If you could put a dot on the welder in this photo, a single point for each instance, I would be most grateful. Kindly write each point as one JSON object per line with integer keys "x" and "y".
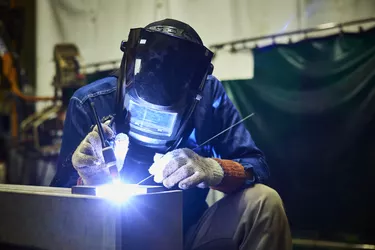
{"x": 165, "y": 101}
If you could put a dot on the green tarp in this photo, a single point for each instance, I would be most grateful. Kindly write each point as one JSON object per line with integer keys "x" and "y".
{"x": 314, "y": 104}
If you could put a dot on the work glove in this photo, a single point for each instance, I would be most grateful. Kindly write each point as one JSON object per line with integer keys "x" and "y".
{"x": 187, "y": 169}
{"x": 88, "y": 158}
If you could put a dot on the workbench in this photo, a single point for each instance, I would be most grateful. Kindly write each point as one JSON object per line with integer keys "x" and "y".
{"x": 35, "y": 217}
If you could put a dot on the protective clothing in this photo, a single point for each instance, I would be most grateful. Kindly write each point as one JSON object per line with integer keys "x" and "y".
{"x": 253, "y": 218}
{"x": 88, "y": 158}
{"x": 214, "y": 113}
{"x": 187, "y": 169}
{"x": 162, "y": 74}
{"x": 204, "y": 97}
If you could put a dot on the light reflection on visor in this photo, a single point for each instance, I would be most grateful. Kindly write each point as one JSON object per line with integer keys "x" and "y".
{"x": 151, "y": 120}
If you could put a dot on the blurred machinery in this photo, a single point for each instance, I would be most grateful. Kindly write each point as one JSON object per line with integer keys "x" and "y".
{"x": 16, "y": 99}
{"x": 41, "y": 132}
{"x": 67, "y": 64}
{"x": 24, "y": 133}
{"x": 45, "y": 127}
{"x": 30, "y": 141}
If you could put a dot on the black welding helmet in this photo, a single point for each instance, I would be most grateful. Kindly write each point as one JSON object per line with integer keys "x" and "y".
{"x": 163, "y": 71}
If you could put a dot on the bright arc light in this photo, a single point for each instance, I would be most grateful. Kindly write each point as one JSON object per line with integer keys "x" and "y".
{"x": 121, "y": 145}
{"x": 119, "y": 192}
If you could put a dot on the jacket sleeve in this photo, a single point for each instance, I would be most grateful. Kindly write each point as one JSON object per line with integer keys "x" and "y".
{"x": 236, "y": 144}
{"x": 76, "y": 126}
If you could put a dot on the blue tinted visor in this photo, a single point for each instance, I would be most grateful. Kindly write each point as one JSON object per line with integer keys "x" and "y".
{"x": 152, "y": 121}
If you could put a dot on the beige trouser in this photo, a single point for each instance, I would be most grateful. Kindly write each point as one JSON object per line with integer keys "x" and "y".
{"x": 251, "y": 219}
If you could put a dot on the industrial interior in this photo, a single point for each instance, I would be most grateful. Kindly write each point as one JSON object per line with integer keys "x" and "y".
{"x": 300, "y": 73}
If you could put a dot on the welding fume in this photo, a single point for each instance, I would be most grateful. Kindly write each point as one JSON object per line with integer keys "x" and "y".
{"x": 164, "y": 115}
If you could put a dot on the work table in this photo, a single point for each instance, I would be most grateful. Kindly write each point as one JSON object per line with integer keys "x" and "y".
{"x": 35, "y": 217}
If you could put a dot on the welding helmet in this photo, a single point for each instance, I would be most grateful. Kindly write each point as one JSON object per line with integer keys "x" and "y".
{"x": 163, "y": 71}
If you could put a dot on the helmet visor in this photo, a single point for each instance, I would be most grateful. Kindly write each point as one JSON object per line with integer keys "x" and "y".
{"x": 162, "y": 69}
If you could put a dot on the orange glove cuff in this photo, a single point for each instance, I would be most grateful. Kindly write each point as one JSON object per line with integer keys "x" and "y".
{"x": 235, "y": 176}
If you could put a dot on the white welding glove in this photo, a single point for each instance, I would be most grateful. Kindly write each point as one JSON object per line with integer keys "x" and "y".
{"x": 187, "y": 169}
{"x": 88, "y": 158}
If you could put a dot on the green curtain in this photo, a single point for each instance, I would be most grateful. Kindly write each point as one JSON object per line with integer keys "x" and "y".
{"x": 314, "y": 104}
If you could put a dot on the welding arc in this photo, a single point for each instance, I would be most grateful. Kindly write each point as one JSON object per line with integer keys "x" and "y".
{"x": 213, "y": 137}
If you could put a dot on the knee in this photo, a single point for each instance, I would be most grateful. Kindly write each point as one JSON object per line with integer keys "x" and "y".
{"x": 264, "y": 197}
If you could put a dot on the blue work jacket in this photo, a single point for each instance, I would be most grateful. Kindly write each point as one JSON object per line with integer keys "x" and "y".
{"x": 214, "y": 113}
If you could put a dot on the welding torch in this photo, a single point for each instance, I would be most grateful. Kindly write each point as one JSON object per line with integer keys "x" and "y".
{"x": 107, "y": 149}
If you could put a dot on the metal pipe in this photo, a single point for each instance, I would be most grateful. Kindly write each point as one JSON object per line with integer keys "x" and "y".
{"x": 322, "y": 27}
{"x": 98, "y": 64}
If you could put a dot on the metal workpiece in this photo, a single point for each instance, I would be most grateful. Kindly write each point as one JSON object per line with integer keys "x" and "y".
{"x": 34, "y": 217}
{"x": 140, "y": 189}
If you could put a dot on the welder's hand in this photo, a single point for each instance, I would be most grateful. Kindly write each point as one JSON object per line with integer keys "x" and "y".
{"x": 187, "y": 169}
{"x": 88, "y": 158}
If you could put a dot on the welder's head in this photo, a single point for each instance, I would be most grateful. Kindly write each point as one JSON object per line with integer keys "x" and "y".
{"x": 163, "y": 70}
